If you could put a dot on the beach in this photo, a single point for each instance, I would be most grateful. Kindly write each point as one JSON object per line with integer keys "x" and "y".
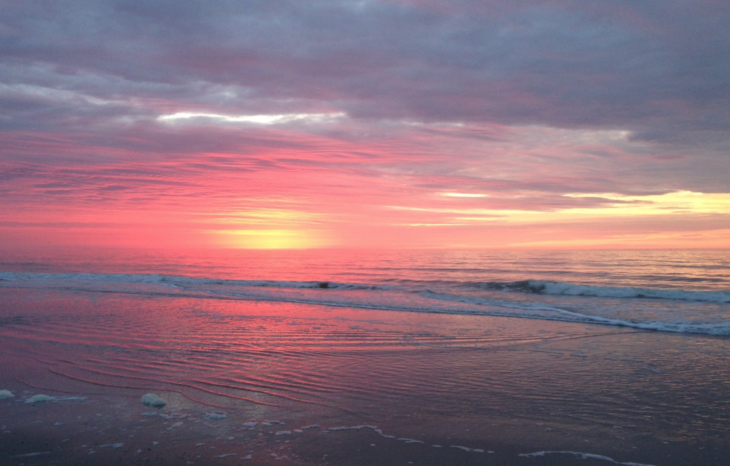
{"x": 263, "y": 382}
{"x": 372, "y": 232}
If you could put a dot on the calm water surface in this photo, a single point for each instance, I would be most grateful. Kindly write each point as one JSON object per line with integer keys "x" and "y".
{"x": 672, "y": 291}
{"x": 366, "y": 357}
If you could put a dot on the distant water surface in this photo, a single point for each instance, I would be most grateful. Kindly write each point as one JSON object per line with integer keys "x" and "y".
{"x": 682, "y": 291}
{"x": 437, "y": 357}
{"x": 696, "y": 270}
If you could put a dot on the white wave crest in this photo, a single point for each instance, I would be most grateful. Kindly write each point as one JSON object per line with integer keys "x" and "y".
{"x": 570, "y": 289}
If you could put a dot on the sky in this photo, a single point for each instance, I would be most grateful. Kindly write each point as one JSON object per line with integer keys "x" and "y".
{"x": 373, "y": 123}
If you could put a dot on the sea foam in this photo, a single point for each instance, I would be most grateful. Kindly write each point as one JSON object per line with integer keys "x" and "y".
{"x": 153, "y": 400}
{"x": 581, "y": 455}
{"x": 674, "y": 310}
{"x": 571, "y": 289}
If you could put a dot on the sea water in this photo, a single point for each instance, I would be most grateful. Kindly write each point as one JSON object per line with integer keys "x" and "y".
{"x": 673, "y": 291}
{"x": 365, "y": 357}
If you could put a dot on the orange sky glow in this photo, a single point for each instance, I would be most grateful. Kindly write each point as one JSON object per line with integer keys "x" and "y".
{"x": 519, "y": 127}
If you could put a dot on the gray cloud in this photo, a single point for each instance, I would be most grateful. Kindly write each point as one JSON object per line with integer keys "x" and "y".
{"x": 102, "y": 71}
{"x": 654, "y": 67}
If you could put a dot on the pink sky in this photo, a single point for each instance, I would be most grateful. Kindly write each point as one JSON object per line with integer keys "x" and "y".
{"x": 560, "y": 124}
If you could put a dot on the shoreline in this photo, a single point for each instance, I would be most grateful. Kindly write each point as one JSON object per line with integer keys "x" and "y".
{"x": 511, "y": 386}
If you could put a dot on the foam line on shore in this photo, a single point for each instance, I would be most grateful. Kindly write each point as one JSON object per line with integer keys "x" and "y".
{"x": 585, "y": 304}
{"x": 572, "y": 289}
{"x": 581, "y": 455}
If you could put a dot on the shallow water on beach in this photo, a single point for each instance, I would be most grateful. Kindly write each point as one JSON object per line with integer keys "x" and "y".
{"x": 370, "y": 364}
{"x": 471, "y": 384}
{"x": 670, "y": 291}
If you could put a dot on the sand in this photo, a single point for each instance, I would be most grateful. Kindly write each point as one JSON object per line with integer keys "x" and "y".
{"x": 243, "y": 385}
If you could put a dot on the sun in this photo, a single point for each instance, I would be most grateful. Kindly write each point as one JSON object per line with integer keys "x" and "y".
{"x": 273, "y": 239}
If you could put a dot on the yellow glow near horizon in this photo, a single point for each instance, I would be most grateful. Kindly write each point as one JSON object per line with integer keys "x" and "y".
{"x": 689, "y": 201}
{"x": 678, "y": 202}
{"x": 272, "y": 239}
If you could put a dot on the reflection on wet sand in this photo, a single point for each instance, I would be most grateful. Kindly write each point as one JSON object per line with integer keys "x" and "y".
{"x": 296, "y": 382}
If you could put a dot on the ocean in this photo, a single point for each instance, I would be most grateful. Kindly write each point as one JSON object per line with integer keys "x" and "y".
{"x": 365, "y": 357}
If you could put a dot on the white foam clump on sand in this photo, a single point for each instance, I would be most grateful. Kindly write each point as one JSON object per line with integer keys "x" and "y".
{"x": 583, "y": 456}
{"x": 176, "y": 424}
{"x": 360, "y": 427}
{"x": 5, "y": 394}
{"x": 153, "y": 400}
{"x": 44, "y": 398}
{"x": 410, "y": 440}
{"x": 215, "y": 416}
{"x": 35, "y": 453}
{"x": 40, "y": 399}
{"x": 475, "y": 450}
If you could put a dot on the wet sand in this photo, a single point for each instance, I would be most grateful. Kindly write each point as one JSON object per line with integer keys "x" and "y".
{"x": 374, "y": 387}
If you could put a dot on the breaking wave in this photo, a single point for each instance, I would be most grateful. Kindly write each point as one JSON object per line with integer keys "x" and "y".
{"x": 570, "y": 289}
{"x": 666, "y": 310}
